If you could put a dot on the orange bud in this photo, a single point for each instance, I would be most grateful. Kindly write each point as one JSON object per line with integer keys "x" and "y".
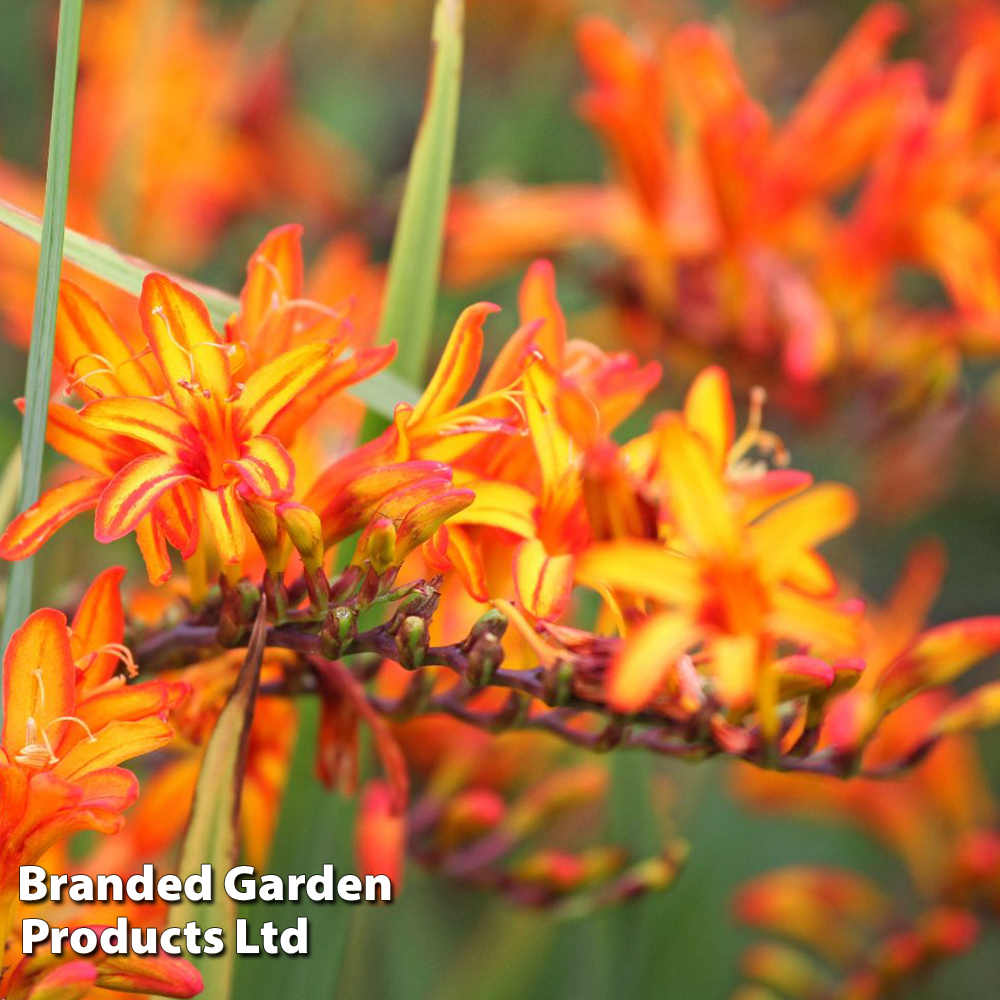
{"x": 380, "y": 835}
{"x": 306, "y": 532}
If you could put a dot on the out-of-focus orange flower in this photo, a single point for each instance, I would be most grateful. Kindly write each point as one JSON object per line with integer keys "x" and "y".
{"x": 177, "y": 129}
{"x": 719, "y": 214}
{"x": 939, "y": 818}
{"x": 782, "y": 241}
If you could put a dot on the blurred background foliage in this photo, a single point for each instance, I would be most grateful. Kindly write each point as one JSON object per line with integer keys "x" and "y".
{"x": 358, "y": 70}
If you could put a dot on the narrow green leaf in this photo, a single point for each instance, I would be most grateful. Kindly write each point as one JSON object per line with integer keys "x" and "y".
{"x": 381, "y": 392}
{"x": 212, "y": 834}
{"x": 118, "y": 269}
{"x": 43, "y": 323}
{"x": 415, "y": 261}
{"x": 314, "y": 829}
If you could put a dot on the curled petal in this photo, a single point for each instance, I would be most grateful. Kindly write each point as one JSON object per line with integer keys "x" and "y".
{"x": 152, "y": 542}
{"x": 457, "y": 368}
{"x": 133, "y": 491}
{"x": 537, "y": 301}
{"x": 265, "y": 467}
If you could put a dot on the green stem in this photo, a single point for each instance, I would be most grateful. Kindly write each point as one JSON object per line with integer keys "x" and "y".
{"x": 43, "y": 326}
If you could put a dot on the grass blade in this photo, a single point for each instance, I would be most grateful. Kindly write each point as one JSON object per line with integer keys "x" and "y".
{"x": 117, "y": 268}
{"x": 43, "y": 323}
{"x": 415, "y": 261}
{"x": 213, "y": 830}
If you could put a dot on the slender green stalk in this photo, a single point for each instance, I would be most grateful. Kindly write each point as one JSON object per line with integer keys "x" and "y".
{"x": 43, "y": 326}
{"x": 415, "y": 261}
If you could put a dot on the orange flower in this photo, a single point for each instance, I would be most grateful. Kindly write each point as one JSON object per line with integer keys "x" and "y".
{"x": 68, "y": 721}
{"x": 730, "y": 227}
{"x": 192, "y": 426}
{"x": 735, "y": 573}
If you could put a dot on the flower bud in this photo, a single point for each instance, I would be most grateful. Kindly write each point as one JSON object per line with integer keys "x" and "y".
{"x": 484, "y": 658}
{"x": 306, "y": 532}
{"x": 239, "y": 607}
{"x": 493, "y": 622}
{"x": 412, "y": 641}
{"x": 340, "y": 628}
{"x": 377, "y": 545}
{"x": 263, "y": 523}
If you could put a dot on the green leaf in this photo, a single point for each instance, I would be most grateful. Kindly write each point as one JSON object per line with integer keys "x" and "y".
{"x": 415, "y": 261}
{"x": 43, "y": 323}
{"x": 381, "y": 392}
{"x": 212, "y": 835}
{"x": 314, "y": 828}
{"x": 118, "y": 269}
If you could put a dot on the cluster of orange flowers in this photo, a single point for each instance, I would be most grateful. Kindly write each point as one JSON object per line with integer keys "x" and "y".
{"x": 535, "y": 556}
{"x": 784, "y": 244}
{"x": 719, "y": 629}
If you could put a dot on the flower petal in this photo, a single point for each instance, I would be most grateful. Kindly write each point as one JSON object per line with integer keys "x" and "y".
{"x": 133, "y": 491}
{"x": 423, "y": 519}
{"x": 801, "y": 523}
{"x": 697, "y": 496}
{"x": 271, "y": 388}
{"x": 152, "y": 542}
{"x": 146, "y": 420}
{"x": 194, "y": 361}
{"x": 708, "y": 411}
{"x": 161, "y": 975}
{"x": 98, "y": 359}
{"x": 99, "y": 620}
{"x": 633, "y": 566}
{"x": 536, "y": 301}
{"x": 38, "y": 681}
{"x": 29, "y": 531}
{"x": 938, "y": 657}
{"x": 274, "y": 275}
{"x": 116, "y": 742}
{"x": 499, "y": 505}
{"x": 646, "y": 658}
{"x": 543, "y": 582}
{"x": 89, "y": 446}
{"x": 225, "y": 522}
{"x": 265, "y": 467}
{"x": 458, "y": 366}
